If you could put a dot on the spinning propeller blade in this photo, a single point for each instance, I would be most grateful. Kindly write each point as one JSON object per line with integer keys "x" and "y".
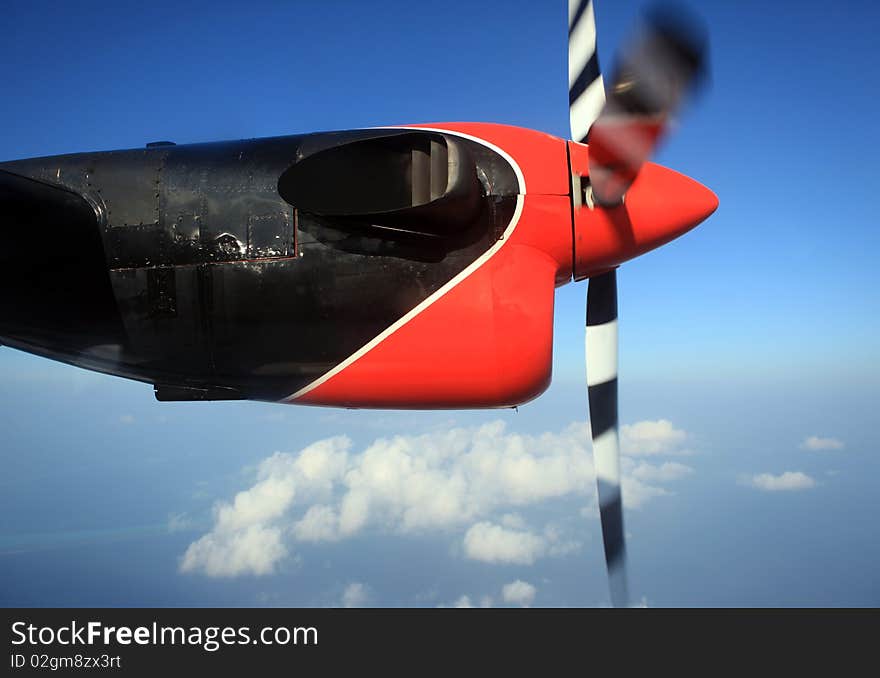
{"x": 586, "y": 90}
{"x": 647, "y": 88}
{"x": 601, "y": 351}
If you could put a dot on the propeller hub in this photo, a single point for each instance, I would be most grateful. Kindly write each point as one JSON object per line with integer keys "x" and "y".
{"x": 660, "y": 206}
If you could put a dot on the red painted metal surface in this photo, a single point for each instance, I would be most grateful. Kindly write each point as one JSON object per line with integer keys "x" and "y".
{"x": 660, "y": 206}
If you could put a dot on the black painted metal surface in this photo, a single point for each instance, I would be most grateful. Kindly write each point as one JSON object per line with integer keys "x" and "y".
{"x": 186, "y": 267}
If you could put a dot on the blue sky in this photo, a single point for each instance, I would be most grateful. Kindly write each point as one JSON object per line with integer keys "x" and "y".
{"x": 747, "y": 336}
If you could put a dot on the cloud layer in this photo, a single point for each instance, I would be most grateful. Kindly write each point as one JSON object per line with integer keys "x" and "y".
{"x": 464, "y": 480}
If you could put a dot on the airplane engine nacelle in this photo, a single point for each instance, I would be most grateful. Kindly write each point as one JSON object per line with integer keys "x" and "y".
{"x": 485, "y": 338}
{"x": 401, "y": 267}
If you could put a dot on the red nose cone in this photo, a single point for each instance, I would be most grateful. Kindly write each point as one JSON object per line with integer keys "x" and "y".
{"x": 660, "y": 206}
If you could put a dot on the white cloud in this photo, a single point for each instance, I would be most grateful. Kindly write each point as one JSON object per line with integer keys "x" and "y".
{"x": 469, "y": 480}
{"x": 790, "y": 480}
{"x": 815, "y": 443}
{"x": 252, "y": 550}
{"x": 518, "y": 593}
{"x": 355, "y": 595}
{"x": 126, "y": 419}
{"x": 647, "y": 438}
{"x": 244, "y": 540}
{"x": 320, "y": 523}
{"x": 513, "y": 543}
{"x": 496, "y": 544}
{"x": 266, "y": 500}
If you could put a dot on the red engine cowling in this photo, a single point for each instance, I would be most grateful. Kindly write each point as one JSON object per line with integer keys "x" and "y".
{"x": 485, "y": 339}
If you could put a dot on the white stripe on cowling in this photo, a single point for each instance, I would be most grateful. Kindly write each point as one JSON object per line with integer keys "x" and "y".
{"x": 586, "y": 109}
{"x": 601, "y": 345}
{"x": 581, "y": 42}
{"x": 606, "y": 459}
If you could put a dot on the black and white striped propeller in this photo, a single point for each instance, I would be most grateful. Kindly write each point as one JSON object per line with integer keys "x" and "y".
{"x": 647, "y": 88}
